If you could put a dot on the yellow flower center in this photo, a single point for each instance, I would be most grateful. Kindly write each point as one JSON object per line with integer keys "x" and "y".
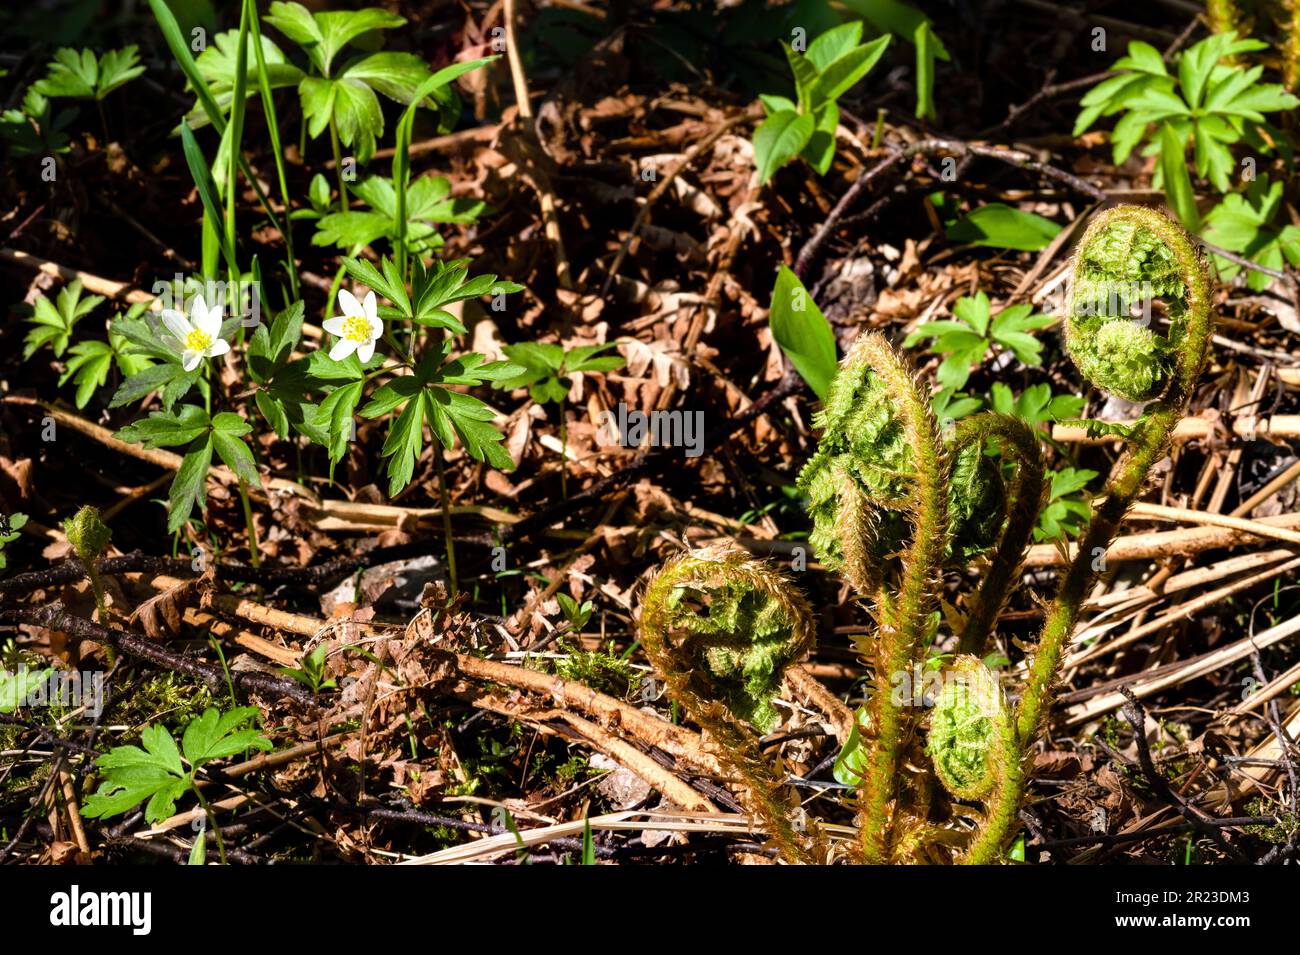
{"x": 197, "y": 341}
{"x": 356, "y": 329}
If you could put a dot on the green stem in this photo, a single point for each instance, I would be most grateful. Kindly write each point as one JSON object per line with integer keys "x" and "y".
{"x": 212, "y": 821}
{"x": 1024, "y": 501}
{"x": 273, "y": 129}
{"x": 254, "y": 552}
{"x": 1146, "y": 446}
{"x": 901, "y": 620}
{"x": 236, "y": 127}
{"x": 338, "y": 165}
{"x": 444, "y": 502}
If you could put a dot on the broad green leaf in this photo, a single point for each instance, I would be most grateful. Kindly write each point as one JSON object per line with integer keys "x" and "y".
{"x": 1177, "y": 182}
{"x": 164, "y": 429}
{"x": 189, "y": 487}
{"x": 802, "y": 332}
{"x": 846, "y": 71}
{"x": 833, "y": 44}
{"x": 780, "y": 138}
{"x": 1004, "y": 227}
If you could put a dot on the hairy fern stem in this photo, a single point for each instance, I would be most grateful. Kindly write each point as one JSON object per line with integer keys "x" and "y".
{"x": 721, "y": 628}
{"x": 1123, "y": 248}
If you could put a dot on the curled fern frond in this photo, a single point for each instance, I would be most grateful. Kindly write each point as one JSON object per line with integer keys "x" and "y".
{"x": 861, "y": 472}
{"x": 1127, "y": 260}
{"x": 721, "y": 628}
{"x": 1019, "y": 505}
{"x": 862, "y": 482}
{"x": 1164, "y": 254}
{"x": 977, "y": 502}
{"x": 882, "y": 461}
{"x": 969, "y": 727}
{"x": 741, "y": 624}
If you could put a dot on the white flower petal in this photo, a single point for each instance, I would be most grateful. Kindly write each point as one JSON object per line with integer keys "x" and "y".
{"x": 334, "y": 325}
{"x": 176, "y": 323}
{"x": 376, "y": 328}
{"x": 190, "y": 359}
{"x": 348, "y": 303}
{"x": 198, "y": 309}
{"x": 219, "y": 347}
{"x": 209, "y": 322}
{"x": 371, "y": 307}
{"x": 342, "y": 348}
{"x": 365, "y": 351}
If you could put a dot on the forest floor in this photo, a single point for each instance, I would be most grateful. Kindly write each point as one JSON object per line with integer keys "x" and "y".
{"x": 501, "y": 716}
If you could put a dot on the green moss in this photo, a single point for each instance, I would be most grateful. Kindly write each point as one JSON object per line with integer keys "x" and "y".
{"x": 605, "y": 670}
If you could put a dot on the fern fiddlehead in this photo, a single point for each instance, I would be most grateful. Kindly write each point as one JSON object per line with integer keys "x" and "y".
{"x": 1023, "y": 501}
{"x": 1122, "y": 246}
{"x": 721, "y": 628}
{"x": 971, "y": 733}
{"x": 880, "y": 451}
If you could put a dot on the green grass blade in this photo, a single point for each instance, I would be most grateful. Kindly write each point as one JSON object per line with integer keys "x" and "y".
{"x": 207, "y": 191}
{"x": 171, "y": 32}
{"x": 277, "y": 151}
{"x": 402, "y": 150}
{"x": 237, "y": 106}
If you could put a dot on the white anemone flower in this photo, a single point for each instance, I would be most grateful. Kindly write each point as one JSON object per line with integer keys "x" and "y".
{"x": 199, "y": 336}
{"x": 358, "y": 328}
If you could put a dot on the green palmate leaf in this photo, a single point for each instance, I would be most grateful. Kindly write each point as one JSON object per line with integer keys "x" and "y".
{"x": 1178, "y": 183}
{"x": 88, "y": 365}
{"x": 164, "y": 429}
{"x": 966, "y": 341}
{"x": 215, "y": 735}
{"x": 802, "y": 332}
{"x": 82, "y": 76}
{"x": 390, "y": 287}
{"x": 35, "y": 128}
{"x": 133, "y": 774}
{"x": 1004, "y": 227}
{"x": 1067, "y": 511}
{"x": 155, "y": 771}
{"x": 1212, "y": 102}
{"x": 323, "y": 35}
{"x": 227, "y": 430}
{"x": 1244, "y": 223}
{"x": 219, "y": 67}
{"x": 472, "y": 421}
{"x": 54, "y": 321}
{"x": 1036, "y": 404}
{"x": 1011, "y": 328}
{"x": 189, "y": 487}
{"x": 428, "y": 201}
{"x": 780, "y": 138}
